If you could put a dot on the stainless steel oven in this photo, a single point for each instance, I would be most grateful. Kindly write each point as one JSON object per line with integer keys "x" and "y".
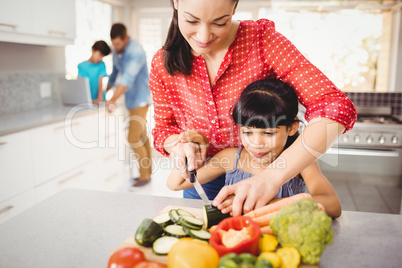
{"x": 370, "y": 152}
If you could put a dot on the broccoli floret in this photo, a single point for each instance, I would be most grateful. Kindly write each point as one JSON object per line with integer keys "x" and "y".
{"x": 303, "y": 226}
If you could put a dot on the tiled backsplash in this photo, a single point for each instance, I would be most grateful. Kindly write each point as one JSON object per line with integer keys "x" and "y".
{"x": 21, "y": 91}
{"x": 393, "y": 100}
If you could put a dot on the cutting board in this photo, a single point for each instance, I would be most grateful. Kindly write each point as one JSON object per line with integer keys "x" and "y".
{"x": 130, "y": 242}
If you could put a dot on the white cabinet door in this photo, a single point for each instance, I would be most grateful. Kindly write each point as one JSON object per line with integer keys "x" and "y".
{"x": 13, "y": 206}
{"x": 110, "y": 172}
{"x": 41, "y": 22}
{"x": 16, "y": 16}
{"x": 61, "y": 147}
{"x": 54, "y": 18}
{"x": 16, "y": 164}
{"x": 79, "y": 178}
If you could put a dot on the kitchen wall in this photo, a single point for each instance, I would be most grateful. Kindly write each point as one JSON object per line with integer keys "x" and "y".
{"x": 393, "y": 100}
{"x": 22, "y": 69}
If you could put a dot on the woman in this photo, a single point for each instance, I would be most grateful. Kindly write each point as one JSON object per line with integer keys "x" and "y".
{"x": 199, "y": 74}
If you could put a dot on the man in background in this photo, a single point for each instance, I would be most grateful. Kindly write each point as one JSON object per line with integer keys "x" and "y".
{"x": 129, "y": 61}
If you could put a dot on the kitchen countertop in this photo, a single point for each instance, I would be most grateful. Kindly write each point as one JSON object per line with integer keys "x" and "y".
{"x": 80, "y": 228}
{"x": 15, "y": 122}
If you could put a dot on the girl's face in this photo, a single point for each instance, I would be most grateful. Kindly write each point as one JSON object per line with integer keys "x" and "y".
{"x": 205, "y": 24}
{"x": 266, "y": 144}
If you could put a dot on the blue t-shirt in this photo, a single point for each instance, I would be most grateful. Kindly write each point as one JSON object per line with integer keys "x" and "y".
{"x": 92, "y": 71}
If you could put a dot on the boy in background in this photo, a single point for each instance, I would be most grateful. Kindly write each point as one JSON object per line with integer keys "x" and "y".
{"x": 94, "y": 69}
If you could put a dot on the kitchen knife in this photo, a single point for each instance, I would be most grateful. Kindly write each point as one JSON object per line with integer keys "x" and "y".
{"x": 198, "y": 187}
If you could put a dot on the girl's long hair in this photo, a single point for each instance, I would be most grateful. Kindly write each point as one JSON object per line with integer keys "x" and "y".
{"x": 267, "y": 103}
{"x": 177, "y": 56}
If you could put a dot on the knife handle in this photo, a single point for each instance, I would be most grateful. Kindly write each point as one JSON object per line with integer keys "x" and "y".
{"x": 192, "y": 174}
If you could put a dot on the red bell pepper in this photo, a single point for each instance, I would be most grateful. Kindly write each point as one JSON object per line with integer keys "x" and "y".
{"x": 250, "y": 245}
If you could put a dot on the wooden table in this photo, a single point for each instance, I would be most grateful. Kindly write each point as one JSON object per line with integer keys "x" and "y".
{"x": 79, "y": 228}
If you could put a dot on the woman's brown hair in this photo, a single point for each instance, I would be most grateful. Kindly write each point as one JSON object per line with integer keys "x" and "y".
{"x": 177, "y": 56}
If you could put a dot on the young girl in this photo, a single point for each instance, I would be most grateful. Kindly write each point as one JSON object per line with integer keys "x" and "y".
{"x": 266, "y": 114}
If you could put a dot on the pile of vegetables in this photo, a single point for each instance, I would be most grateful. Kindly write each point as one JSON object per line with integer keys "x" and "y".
{"x": 298, "y": 222}
{"x": 164, "y": 230}
{"x": 278, "y": 235}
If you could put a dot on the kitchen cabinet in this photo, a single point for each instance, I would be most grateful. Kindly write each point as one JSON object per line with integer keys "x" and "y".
{"x": 15, "y": 205}
{"x": 79, "y": 178}
{"x": 60, "y": 147}
{"x": 80, "y": 151}
{"x": 16, "y": 22}
{"x": 54, "y": 18}
{"x": 40, "y": 22}
{"x": 16, "y": 164}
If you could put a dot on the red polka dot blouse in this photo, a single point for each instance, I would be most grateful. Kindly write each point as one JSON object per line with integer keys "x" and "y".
{"x": 184, "y": 103}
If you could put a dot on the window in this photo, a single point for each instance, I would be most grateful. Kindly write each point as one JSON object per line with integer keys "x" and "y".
{"x": 348, "y": 46}
{"x": 94, "y": 20}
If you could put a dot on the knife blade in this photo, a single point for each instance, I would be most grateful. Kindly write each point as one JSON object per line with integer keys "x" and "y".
{"x": 198, "y": 187}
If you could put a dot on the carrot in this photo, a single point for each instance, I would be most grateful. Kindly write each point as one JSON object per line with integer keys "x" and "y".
{"x": 265, "y": 219}
{"x": 266, "y": 230}
{"x": 277, "y": 205}
{"x": 321, "y": 207}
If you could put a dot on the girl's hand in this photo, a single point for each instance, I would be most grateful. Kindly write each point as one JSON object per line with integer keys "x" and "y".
{"x": 226, "y": 206}
{"x": 191, "y": 146}
{"x": 248, "y": 194}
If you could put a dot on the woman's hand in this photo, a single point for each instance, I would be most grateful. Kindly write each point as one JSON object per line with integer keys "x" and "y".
{"x": 189, "y": 146}
{"x": 248, "y": 194}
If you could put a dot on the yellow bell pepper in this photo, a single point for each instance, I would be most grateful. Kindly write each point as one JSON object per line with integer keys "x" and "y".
{"x": 290, "y": 257}
{"x": 272, "y": 257}
{"x": 192, "y": 253}
{"x": 268, "y": 243}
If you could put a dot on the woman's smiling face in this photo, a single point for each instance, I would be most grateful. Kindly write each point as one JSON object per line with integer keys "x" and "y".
{"x": 205, "y": 24}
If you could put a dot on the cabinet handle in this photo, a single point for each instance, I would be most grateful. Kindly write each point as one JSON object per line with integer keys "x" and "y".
{"x": 64, "y": 126}
{"x": 109, "y": 157}
{"x": 3, "y": 143}
{"x": 111, "y": 177}
{"x": 51, "y": 32}
{"x": 8, "y": 25}
{"x": 4, "y": 210}
{"x": 71, "y": 177}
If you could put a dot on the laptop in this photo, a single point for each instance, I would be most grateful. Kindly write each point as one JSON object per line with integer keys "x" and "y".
{"x": 76, "y": 92}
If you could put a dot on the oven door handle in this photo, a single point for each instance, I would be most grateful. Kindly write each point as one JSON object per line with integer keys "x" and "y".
{"x": 362, "y": 152}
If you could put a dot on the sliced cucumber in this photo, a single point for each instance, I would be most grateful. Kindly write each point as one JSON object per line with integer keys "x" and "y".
{"x": 213, "y": 216}
{"x": 174, "y": 216}
{"x": 148, "y": 232}
{"x": 183, "y": 212}
{"x": 187, "y": 230}
{"x": 163, "y": 219}
{"x": 163, "y": 244}
{"x": 200, "y": 234}
{"x": 175, "y": 231}
{"x": 191, "y": 222}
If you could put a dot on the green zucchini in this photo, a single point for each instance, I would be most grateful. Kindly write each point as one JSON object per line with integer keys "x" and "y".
{"x": 163, "y": 219}
{"x": 183, "y": 212}
{"x": 213, "y": 216}
{"x": 174, "y": 216}
{"x": 163, "y": 244}
{"x": 200, "y": 234}
{"x": 175, "y": 231}
{"x": 148, "y": 232}
{"x": 191, "y": 222}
